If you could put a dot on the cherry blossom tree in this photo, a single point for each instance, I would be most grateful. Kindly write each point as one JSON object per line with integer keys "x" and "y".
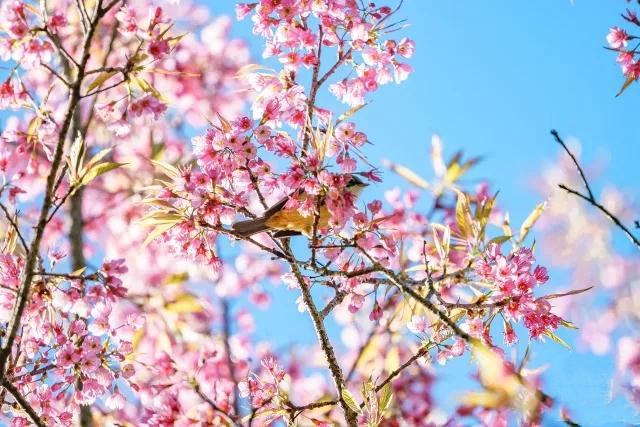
{"x": 123, "y": 247}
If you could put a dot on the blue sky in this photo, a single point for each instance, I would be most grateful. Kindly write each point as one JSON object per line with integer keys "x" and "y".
{"x": 493, "y": 78}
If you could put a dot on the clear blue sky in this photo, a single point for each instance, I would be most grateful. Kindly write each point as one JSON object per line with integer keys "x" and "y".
{"x": 493, "y": 78}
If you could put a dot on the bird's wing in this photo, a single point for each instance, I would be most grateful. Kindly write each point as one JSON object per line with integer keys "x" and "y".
{"x": 286, "y": 233}
{"x": 277, "y": 207}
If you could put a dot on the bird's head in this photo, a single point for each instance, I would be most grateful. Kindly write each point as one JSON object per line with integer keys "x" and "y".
{"x": 356, "y": 185}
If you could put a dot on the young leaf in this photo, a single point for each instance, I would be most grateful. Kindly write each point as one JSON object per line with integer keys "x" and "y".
{"x": 99, "y": 156}
{"x": 350, "y": 401}
{"x": 167, "y": 169}
{"x": 564, "y": 294}
{"x": 442, "y": 245}
{"x": 463, "y": 215}
{"x": 250, "y": 68}
{"x": 439, "y": 168}
{"x": 499, "y": 240}
{"x": 185, "y": 303}
{"x": 568, "y": 324}
{"x": 32, "y": 129}
{"x": 557, "y": 339}
{"x": 160, "y": 217}
{"x": 157, "y": 232}
{"x": 626, "y": 84}
{"x": 409, "y": 175}
{"x": 386, "y": 395}
{"x": 102, "y": 77}
{"x": 99, "y": 169}
{"x": 506, "y": 225}
{"x": 226, "y": 126}
{"x": 350, "y": 113}
{"x": 531, "y": 219}
{"x": 76, "y": 157}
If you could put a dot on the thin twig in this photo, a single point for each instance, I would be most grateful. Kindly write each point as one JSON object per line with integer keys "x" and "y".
{"x": 590, "y": 198}
{"x": 575, "y": 162}
{"x": 15, "y": 227}
{"x": 605, "y": 211}
{"x": 212, "y": 404}
{"x": 226, "y": 332}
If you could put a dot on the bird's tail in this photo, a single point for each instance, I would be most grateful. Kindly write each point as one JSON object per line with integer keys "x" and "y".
{"x": 250, "y": 227}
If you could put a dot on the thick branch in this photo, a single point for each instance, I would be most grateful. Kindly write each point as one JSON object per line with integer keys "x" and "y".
{"x": 23, "y": 403}
{"x": 32, "y": 257}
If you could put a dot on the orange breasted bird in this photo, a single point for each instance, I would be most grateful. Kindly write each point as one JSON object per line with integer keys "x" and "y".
{"x": 289, "y": 222}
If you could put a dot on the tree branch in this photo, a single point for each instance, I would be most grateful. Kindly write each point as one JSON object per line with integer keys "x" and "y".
{"x": 23, "y": 403}
{"x": 226, "y": 332}
{"x": 323, "y": 339}
{"x": 589, "y": 197}
{"x": 30, "y": 263}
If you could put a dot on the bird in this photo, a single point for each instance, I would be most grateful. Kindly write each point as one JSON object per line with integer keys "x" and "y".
{"x": 289, "y": 222}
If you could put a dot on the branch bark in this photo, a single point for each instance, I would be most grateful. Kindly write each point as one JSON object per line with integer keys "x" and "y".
{"x": 226, "y": 325}
{"x": 47, "y": 203}
{"x": 323, "y": 338}
{"x": 23, "y": 403}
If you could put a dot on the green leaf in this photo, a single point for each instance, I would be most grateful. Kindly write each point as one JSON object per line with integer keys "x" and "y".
{"x": 99, "y": 169}
{"x": 76, "y": 157}
{"x": 564, "y": 294}
{"x": 531, "y": 219}
{"x": 350, "y": 401}
{"x": 102, "y": 77}
{"x": 157, "y": 232}
{"x": 557, "y": 339}
{"x": 499, "y": 240}
{"x": 386, "y": 396}
{"x": 568, "y": 324}
{"x": 463, "y": 215}
{"x": 167, "y": 169}
{"x": 184, "y": 304}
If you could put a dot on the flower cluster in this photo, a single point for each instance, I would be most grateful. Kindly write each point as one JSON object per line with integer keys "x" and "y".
{"x": 619, "y": 41}
{"x": 513, "y": 282}
{"x": 71, "y": 338}
{"x": 22, "y": 43}
{"x": 353, "y": 30}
